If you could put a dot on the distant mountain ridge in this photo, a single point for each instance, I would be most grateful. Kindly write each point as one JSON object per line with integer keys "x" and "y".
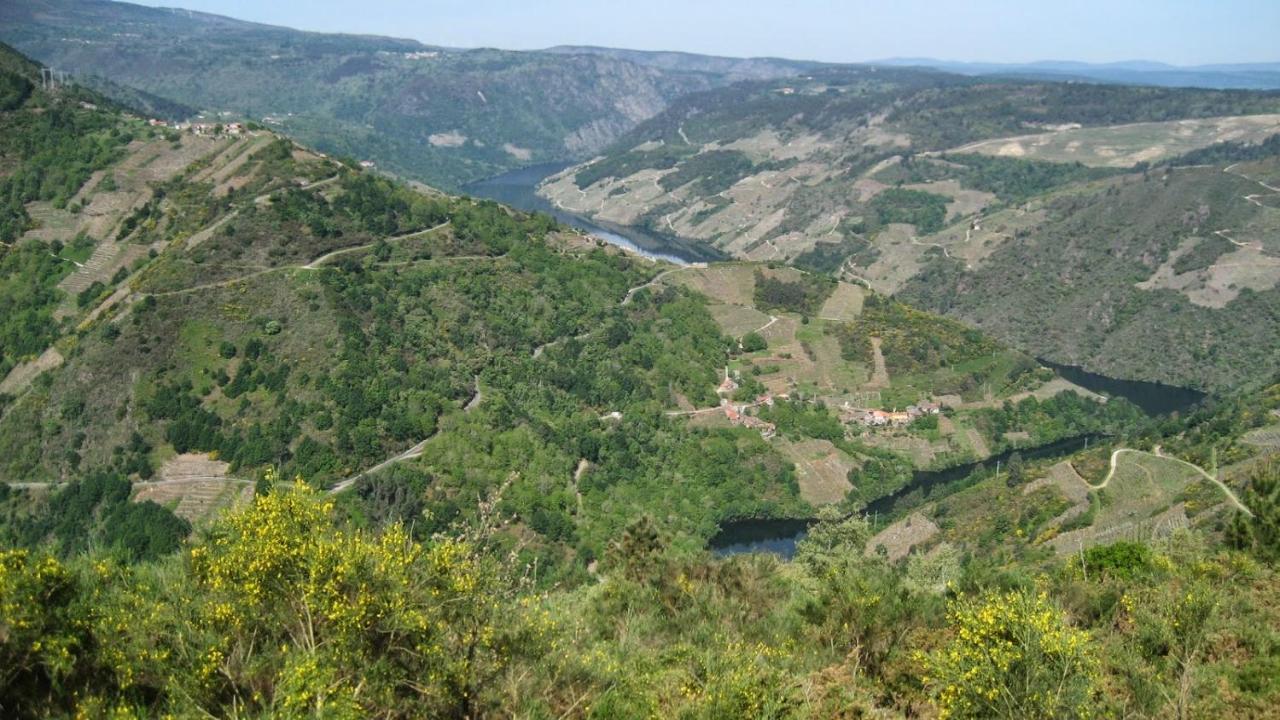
{"x": 1242, "y": 76}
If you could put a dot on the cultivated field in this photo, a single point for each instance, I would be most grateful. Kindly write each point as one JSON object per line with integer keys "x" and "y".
{"x": 821, "y": 469}
{"x": 195, "y": 487}
{"x": 1126, "y": 145}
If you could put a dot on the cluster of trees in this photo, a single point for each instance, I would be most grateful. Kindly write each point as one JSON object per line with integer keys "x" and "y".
{"x": 1015, "y": 180}
{"x": 911, "y": 341}
{"x": 804, "y": 295}
{"x": 926, "y": 210}
{"x": 714, "y": 171}
{"x": 92, "y": 513}
{"x": 1066, "y": 414}
{"x": 49, "y": 153}
{"x": 28, "y": 295}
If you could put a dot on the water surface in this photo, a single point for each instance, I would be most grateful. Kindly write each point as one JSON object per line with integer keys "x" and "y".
{"x": 518, "y": 189}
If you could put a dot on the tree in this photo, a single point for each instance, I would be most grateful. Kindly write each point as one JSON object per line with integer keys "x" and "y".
{"x": 1259, "y": 533}
{"x": 753, "y": 342}
{"x": 1017, "y": 471}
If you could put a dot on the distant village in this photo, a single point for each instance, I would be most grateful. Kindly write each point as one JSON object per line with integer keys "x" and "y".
{"x": 200, "y": 128}
{"x": 740, "y": 413}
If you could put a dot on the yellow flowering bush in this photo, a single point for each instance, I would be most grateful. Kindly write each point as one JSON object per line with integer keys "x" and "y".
{"x": 39, "y": 633}
{"x": 1013, "y": 655}
{"x": 341, "y": 616}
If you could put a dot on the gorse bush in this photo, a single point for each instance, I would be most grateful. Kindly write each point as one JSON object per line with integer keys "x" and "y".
{"x": 1013, "y": 655}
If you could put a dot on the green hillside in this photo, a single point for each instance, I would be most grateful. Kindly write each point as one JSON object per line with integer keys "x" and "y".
{"x": 1057, "y": 216}
{"x": 1168, "y": 275}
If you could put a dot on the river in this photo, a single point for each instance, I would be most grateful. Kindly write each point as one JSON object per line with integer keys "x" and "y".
{"x": 1153, "y": 398}
{"x": 779, "y": 536}
{"x": 518, "y": 189}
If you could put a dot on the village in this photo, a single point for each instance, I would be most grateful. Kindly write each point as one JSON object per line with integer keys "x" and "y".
{"x": 740, "y": 414}
{"x": 200, "y": 128}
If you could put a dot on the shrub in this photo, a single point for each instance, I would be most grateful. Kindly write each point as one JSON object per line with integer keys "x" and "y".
{"x": 1013, "y": 656}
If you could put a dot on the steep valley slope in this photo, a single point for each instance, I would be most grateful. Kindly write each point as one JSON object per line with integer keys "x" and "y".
{"x": 1091, "y": 225}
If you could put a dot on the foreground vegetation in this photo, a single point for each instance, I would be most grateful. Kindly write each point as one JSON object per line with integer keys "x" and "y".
{"x": 281, "y": 609}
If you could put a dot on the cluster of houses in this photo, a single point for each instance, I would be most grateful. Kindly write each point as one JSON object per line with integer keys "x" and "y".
{"x": 885, "y": 418}
{"x": 737, "y": 414}
{"x": 201, "y": 128}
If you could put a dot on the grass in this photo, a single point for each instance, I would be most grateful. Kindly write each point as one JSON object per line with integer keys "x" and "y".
{"x": 197, "y": 353}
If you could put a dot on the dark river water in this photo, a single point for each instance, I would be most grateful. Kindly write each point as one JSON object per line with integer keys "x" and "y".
{"x": 518, "y": 189}
{"x": 781, "y": 535}
{"x": 1153, "y": 398}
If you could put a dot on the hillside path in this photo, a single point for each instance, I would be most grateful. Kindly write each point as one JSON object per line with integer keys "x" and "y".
{"x": 1231, "y": 496}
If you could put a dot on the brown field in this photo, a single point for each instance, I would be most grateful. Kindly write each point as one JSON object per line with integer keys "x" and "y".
{"x": 737, "y": 320}
{"x": 899, "y": 538}
{"x": 845, "y": 303}
{"x": 194, "y": 487}
{"x": 1125, "y": 145}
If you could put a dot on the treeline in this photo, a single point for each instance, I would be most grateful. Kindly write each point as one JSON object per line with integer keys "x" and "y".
{"x": 1229, "y": 152}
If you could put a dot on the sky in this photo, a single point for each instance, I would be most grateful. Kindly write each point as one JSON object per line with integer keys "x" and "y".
{"x": 1180, "y": 32}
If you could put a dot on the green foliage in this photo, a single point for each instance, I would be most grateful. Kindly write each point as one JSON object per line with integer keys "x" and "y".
{"x": 911, "y": 340}
{"x": 925, "y": 210}
{"x": 1016, "y": 180}
{"x": 800, "y": 418}
{"x": 628, "y": 163}
{"x": 713, "y": 171}
{"x": 1229, "y": 152}
{"x": 28, "y": 276}
{"x": 1123, "y": 560}
{"x": 1013, "y": 655}
{"x": 1089, "y": 256}
{"x": 828, "y": 257}
{"x": 97, "y": 512}
{"x": 804, "y": 295}
{"x": 51, "y": 152}
{"x": 753, "y": 342}
{"x": 1260, "y": 533}
{"x": 1203, "y": 254}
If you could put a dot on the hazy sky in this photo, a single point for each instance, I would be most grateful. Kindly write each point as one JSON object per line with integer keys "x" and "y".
{"x": 1175, "y": 31}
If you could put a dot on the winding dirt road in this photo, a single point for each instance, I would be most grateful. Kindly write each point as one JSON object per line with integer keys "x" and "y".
{"x": 1231, "y": 496}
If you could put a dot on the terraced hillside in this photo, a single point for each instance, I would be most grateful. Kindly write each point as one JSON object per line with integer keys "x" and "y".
{"x": 1131, "y": 223}
{"x": 767, "y": 170}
